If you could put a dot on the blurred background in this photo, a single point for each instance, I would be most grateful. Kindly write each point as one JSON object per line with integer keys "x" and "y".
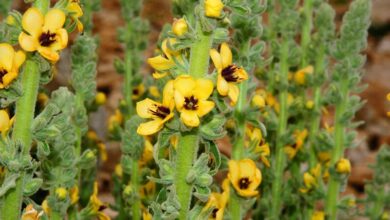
{"x": 371, "y": 135}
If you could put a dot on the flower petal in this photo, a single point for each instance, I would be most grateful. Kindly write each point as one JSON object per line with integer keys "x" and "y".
{"x": 222, "y": 86}
{"x": 158, "y": 75}
{"x": 217, "y": 60}
{"x": 160, "y": 63}
{"x": 19, "y": 59}
{"x": 4, "y": 121}
{"x": 185, "y": 84}
{"x": 179, "y": 100}
{"x": 7, "y": 53}
{"x": 234, "y": 91}
{"x": 49, "y": 54}
{"x": 75, "y": 8}
{"x": 168, "y": 95}
{"x": 205, "y": 107}
{"x": 8, "y": 78}
{"x": 144, "y": 107}
{"x": 61, "y": 40}
{"x": 203, "y": 89}
{"x": 150, "y": 127}
{"x": 190, "y": 118}
{"x": 226, "y": 55}
{"x": 32, "y": 21}
{"x": 27, "y": 42}
{"x": 54, "y": 20}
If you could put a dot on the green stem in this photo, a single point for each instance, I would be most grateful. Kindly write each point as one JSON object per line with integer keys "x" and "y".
{"x": 128, "y": 83}
{"x": 306, "y": 30}
{"x": 334, "y": 184}
{"x": 25, "y": 108}
{"x": 136, "y": 207}
{"x": 188, "y": 143}
{"x": 280, "y": 155}
{"x": 186, "y": 153}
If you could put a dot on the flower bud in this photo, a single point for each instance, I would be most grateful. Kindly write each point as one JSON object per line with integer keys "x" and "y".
{"x": 213, "y": 8}
{"x": 309, "y": 104}
{"x": 10, "y": 20}
{"x": 258, "y": 101}
{"x": 180, "y": 27}
{"x": 61, "y": 192}
{"x": 100, "y": 98}
{"x": 343, "y": 166}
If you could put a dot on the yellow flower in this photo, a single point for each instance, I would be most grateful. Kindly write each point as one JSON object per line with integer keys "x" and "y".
{"x": 191, "y": 98}
{"x": 264, "y": 151}
{"x": 148, "y": 189}
{"x": 46, "y": 207}
{"x": 292, "y": 150}
{"x": 258, "y": 101}
{"x": 31, "y": 214}
{"x": 385, "y": 216}
{"x": 95, "y": 206}
{"x": 115, "y": 120}
{"x": 300, "y": 75}
{"x": 74, "y": 195}
{"x": 138, "y": 91}
{"x": 213, "y": 8}
{"x": 244, "y": 176}
{"x": 61, "y": 192}
{"x": 310, "y": 179}
{"x": 10, "y": 61}
{"x": 119, "y": 170}
{"x": 5, "y": 122}
{"x": 159, "y": 113}
{"x": 163, "y": 63}
{"x": 44, "y": 33}
{"x": 309, "y": 104}
{"x": 146, "y": 215}
{"x": 318, "y": 215}
{"x": 217, "y": 203}
{"x": 153, "y": 90}
{"x": 102, "y": 151}
{"x": 147, "y": 155}
{"x": 100, "y": 98}
{"x": 228, "y": 73}
{"x": 323, "y": 156}
{"x": 76, "y": 12}
{"x": 343, "y": 166}
{"x": 180, "y": 27}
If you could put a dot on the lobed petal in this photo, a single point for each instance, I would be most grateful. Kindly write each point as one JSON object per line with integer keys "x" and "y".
{"x": 190, "y": 118}
{"x": 7, "y": 53}
{"x": 49, "y": 54}
{"x": 19, "y": 59}
{"x": 27, "y": 42}
{"x": 222, "y": 86}
{"x": 233, "y": 93}
{"x": 160, "y": 63}
{"x": 217, "y": 59}
{"x": 150, "y": 127}
{"x": 32, "y": 21}
{"x": 143, "y": 108}
{"x": 204, "y": 107}
{"x": 185, "y": 85}
{"x": 203, "y": 89}
{"x": 226, "y": 55}
{"x": 54, "y": 20}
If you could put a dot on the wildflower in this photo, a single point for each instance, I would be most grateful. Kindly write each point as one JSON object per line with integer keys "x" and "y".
{"x": 228, "y": 73}
{"x": 310, "y": 179}
{"x": 300, "y": 75}
{"x": 217, "y": 203}
{"x": 76, "y": 12}
{"x": 5, "y": 122}
{"x": 264, "y": 151}
{"x": 166, "y": 61}
{"x": 343, "y": 166}
{"x": 61, "y": 192}
{"x": 244, "y": 176}
{"x": 102, "y": 151}
{"x": 10, "y": 61}
{"x": 74, "y": 195}
{"x": 299, "y": 136}
{"x": 45, "y": 207}
{"x": 115, "y": 120}
{"x": 191, "y": 98}
{"x": 180, "y": 27}
{"x": 258, "y": 101}
{"x": 213, "y": 8}
{"x": 318, "y": 215}
{"x": 146, "y": 215}
{"x": 31, "y": 214}
{"x": 138, "y": 91}
{"x": 95, "y": 207}
{"x": 44, "y": 33}
{"x": 159, "y": 113}
{"x": 119, "y": 170}
{"x": 100, "y": 98}
{"x": 147, "y": 155}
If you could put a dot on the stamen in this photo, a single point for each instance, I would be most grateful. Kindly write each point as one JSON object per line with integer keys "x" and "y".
{"x": 47, "y": 39}
{"x": 191, "y": 103}
{"x": 214, "y": 213}
{"x": 161, "y": 111}
{"x": 244, "y": 183}
{"x": 229, "y": 73}
{"x": 3, "y": 72}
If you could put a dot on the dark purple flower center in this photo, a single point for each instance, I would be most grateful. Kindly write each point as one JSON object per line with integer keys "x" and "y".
{"x": 229, "y": 75}
{"x": 243, "y": 183}
{"x": 191, "y": 103}
{"x": 47, "y": 39}
{"x": 161, "y": 111}
{"x": 3, "y": 72}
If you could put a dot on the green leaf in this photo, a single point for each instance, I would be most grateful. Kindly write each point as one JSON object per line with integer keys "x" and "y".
{"x": 213, "y": 129}
{"x": 32, "y": 186}
{"x": 132, "y": 143}
{"x": 8, "y": 183}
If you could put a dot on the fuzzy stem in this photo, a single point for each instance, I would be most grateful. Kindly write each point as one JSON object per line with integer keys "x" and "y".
{"x": 136, "y": 207}
{"x": 25, "y": 108}
{"x": 188, "y": 143}
{"x": 280, "y": 155}
{"x": 306, "y": 30}
{"x": 334, "y": 184}
{"x": 186, "y": 153}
